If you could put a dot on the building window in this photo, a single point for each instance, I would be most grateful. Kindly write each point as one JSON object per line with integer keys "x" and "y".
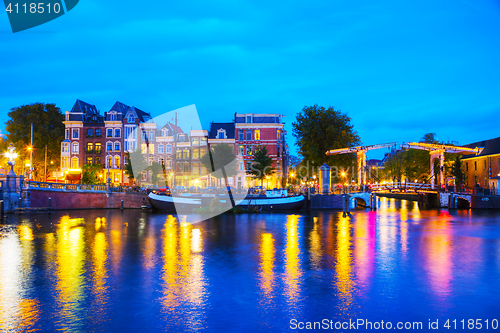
{"x": 196, "y": 154}
{"x": 249, "y": 165}
{"x": 196, "y": 168}
{"x": 249, "y": 135}
{"x": 196, "y": 141}
{"x": 75, "y": 147}
{"x": 109, "y": 133}
{"x": 168, "y": 165}
{"x": 161, "y": 149}
{"x": 257, "y": 135}
{"x": 66, "y": 134}
{"x": 241, "y": 135}
{"x": 185, "y": 154}
{"x": 279, "y": 135}
{"x": 151, "y": 136}
{"x": 278, "y": 151}
{"x": 65, "y": 162}
{"x": 112, "y": 116}
{"x": 249, "y": 150}
{"x": 278, "y": 166}
{"x": 144, "y": 136}
{"x": 74, "y": 163}
{"x": 97, "y": 160}
{"x": 131, "y": 119}
{"x": 144, "y": 148}
{"x": 169, "y": 149}
{"x": 203, "y": 151}
{"x": 117, "y": 146}
{"x": 65, "y": 148}
{"x": 178, "y": 154}
{"x": 117, "y": 161}
{"x": 484, "y": 166}
{"x": 249, "y": 119}
{"x": 151, "y": 148}
{"x": 221, "y": 134}
{"x": 117, "y": 133}
{"x": 98, "y": 148}
{"x": 90, "y": 132}
{"x": 109, "y": 146}
{"x": 89, "y": 160}
{"x": 241, "y": 166}
{"x": 98, "y": 132}
{"x": 181, "y": 138}
{"x": 467, "y": 166}
{"x": 475, "y": 166}
{"x": 203, "y": 141}
{"x": 75, "y": 134}
{"x": 241, "y": 150}
{"x": 90, "y": 146}
{"x": 108, "y": 161}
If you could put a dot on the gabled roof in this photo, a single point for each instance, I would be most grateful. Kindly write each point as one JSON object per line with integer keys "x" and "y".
{"x": 491, "y": 147}
{"x": 120, "y": 107}
{"x": 81, "y": 106}
{"x": 214, "y": 127}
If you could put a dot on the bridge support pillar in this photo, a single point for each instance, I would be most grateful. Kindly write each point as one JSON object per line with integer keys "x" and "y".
{"x": 438, "y": 153}
{"x": 361, "y": 167}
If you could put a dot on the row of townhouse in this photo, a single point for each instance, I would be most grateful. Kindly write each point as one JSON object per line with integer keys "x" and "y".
{"x": 92, "y": 138}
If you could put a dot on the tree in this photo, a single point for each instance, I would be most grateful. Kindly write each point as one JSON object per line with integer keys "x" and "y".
{"x": 91, "y": 173}
{"x": 48, "y": 130}
{"x": 135, "y": 164}
{"x": 456, "y": 171}
{"x": 429, "y": 138}
{"x": 318, "y": 130}
{"x": 220, "y": 158}
{"x": 155, "y": 169}
{"x": 262, "y": 165}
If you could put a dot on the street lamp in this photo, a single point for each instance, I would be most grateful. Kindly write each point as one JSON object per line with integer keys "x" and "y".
{"x": 11, "y": 156}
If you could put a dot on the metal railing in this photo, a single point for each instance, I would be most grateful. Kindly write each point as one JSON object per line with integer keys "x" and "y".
{"x": 28, "y": 185}
{"x": 402, "y": 186}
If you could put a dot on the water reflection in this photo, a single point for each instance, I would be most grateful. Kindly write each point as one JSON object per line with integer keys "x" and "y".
{"x": 267, "y": 257}
{"x": 183, "y": 279}
{"x": 315, "y": 245}
{"x": 364, "y": 248}
{"x": 292, "y": 269}
{"x": 343, "y": 264}
{"x": 70, "y": 269}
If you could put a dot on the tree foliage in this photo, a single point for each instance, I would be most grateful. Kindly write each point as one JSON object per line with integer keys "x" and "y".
{"x": 48, "y": 129}
{"x": 155, "y": 168}
{"x": 457, "y": 172}
{"x": 90, "y": 174}
{"x": 262, "y": 164}
{"x": 318, "y": 130}
{"x": 136, "y": 163}
{"x": 218, "y": 157}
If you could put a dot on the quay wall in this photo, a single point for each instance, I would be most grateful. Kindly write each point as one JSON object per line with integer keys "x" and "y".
{"x": 62, "y": 200}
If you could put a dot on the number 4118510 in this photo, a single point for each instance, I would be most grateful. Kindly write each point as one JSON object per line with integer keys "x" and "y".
{"x": 471, "y": 324}
{"x": 33, "y": 8}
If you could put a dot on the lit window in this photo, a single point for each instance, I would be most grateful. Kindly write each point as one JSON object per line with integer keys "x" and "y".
{"x": 117, "y": 161}
{"x": 89, "y": 160}
{"x": 65, "y": 162}
{"x": 74, "y": 163}
{"x": 196, "y": 141}
{"x": 196, "y": 154}
{"x": 89, "y": 147}
{"x": 151, "y": 148}
{"x": 185, "y": 154}
{"x": 249, "y": 150}
{"x": 65, "y": 148}
{"x": 144, "y": 148}
{"x": 257, "y": 134}
{"x": 241, "y": 150}
{"x": 279, "y": 135}
{"x": 98, "y": 148}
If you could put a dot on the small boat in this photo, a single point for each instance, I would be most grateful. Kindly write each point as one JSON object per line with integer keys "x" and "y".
{"x": 273, "y": 200}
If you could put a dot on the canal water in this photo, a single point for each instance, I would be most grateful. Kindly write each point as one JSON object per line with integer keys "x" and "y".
{"x": 130, "y": 271}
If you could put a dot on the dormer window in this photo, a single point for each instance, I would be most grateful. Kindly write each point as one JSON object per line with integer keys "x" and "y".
{"x": 131, "y": 119}
{"x": 221, "y": 134}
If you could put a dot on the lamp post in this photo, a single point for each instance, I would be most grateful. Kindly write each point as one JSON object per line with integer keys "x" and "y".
{"x": 11, "y": 156}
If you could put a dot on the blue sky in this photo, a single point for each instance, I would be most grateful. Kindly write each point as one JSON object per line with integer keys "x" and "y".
{"x": 399, "y": 69}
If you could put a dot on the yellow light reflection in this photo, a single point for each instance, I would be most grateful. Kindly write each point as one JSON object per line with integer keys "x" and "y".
{"x": 25, "y": 232}
{"x": 70, "y": 269}
{"x": 343, "y": 264}
{"x": 183, "y": 278}
{"x": 292, "y": 251}
{"x": 99, "y": 253}
{"x": 315, "y": 245}
{"x": 17, "y": 314}
{"x": 404, "y": 226}
{"x": 364, "y": 247}
{"x": 267, "y": 253}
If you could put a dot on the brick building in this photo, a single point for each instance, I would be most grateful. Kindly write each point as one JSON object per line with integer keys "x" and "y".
{"x": 484, "y": 168}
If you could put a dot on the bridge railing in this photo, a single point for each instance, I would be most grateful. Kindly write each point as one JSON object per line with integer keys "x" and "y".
{"x": 28, "y": 185}
{"x": 401, "y": 186}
